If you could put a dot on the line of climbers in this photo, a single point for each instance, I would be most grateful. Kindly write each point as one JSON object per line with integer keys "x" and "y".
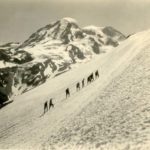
{"x": 90, "y": 79}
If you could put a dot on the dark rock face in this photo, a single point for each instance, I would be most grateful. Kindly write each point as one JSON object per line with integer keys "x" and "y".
{"x": 50, "y": 51}
{"x": 6, "y": 81}
{"x": 95, "y": 46}
{"x": 111, "y": 32}
{"x": 3, "y": 98}
{"x": 8, "y": 53}
{"x": 75, "y": 52}
{"x": 112, "y": 42}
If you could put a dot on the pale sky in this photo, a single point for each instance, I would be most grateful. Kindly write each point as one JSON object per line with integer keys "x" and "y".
{"x": 20, "y": 18}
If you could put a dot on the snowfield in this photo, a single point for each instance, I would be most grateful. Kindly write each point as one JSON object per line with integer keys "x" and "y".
{"x": 113, "y": 112}
{"x": 118, "y": 119}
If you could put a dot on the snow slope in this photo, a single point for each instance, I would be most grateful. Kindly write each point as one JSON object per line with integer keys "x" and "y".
{"x": 22, "y": 125}
{"x": 118, "y": 119}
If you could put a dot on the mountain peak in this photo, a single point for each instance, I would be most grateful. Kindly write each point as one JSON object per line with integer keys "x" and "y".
{"x": 62, "y": 30}
{"x": 70, "y": 20}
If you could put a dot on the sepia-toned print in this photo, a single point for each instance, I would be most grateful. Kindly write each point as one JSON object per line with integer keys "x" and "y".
{"x": 74, "y": 75}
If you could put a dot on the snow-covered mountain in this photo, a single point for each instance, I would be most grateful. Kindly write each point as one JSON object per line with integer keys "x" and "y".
{"x": 113, "y": 112}
{"x": 54, "y": 49}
